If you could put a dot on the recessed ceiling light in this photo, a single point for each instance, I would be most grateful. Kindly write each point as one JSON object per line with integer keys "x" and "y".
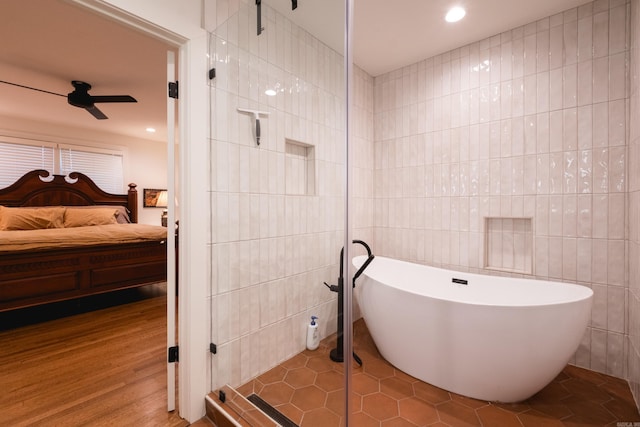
{"x": 270, "y": 92}
{"x": 150, "y": 130}
{"x": 455, "y": 14}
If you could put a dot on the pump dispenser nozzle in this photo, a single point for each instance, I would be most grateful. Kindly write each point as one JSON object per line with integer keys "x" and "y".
{"x": 313, "y": 335}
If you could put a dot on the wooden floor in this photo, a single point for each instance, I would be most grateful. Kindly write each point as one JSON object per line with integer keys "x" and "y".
{"x": 102, "y": 365}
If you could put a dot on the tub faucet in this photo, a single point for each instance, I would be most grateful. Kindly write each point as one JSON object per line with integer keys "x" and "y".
{"x": 337, "y": 353}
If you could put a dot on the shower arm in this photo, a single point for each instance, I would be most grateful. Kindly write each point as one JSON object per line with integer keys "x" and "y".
{"x": 370, "y": 257}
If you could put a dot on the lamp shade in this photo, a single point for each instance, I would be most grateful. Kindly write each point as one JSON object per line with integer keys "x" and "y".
{"x": 162, "y": 199}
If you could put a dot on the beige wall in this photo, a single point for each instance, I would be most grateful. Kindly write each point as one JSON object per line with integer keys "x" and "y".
{"x": 145, "y": 160}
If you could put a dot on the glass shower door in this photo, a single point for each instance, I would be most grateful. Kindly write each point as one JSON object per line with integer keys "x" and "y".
{"x": 277, "y": 188}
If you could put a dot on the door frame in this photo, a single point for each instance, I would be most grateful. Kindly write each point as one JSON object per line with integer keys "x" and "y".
{"x": 179, "y": 25}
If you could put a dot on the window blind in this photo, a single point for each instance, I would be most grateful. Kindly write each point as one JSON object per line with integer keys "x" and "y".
{"x": 16, "y": 159}
{"x": 104, "y": 168}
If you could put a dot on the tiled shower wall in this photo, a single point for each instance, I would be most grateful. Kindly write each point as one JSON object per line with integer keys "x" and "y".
{"x": 634, "y": 205}
{"x": 528, "y": 123}
{"x": 272, "y": 247}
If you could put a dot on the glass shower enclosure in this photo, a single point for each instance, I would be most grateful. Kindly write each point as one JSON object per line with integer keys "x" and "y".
{"x": 278, "y": 156}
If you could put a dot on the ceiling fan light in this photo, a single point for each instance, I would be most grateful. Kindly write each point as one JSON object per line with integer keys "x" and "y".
{"x": 455, "y": 14}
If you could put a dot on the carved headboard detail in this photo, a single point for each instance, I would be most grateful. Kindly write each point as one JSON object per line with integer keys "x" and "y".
{"x": 40, "y": 188}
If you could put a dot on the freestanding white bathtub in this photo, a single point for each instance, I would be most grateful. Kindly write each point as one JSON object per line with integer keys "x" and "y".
{"x": 494, "y": 338}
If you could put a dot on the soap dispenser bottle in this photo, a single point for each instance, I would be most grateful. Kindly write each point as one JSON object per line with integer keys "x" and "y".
{"x": 313, "y": 335}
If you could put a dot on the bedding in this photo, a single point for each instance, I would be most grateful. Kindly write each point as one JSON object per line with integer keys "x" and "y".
{"x": 89, "y": 217}
{"x": 56, "y": 238}
{"x": 31, "y": 218}
{"x": 122, "y": 217}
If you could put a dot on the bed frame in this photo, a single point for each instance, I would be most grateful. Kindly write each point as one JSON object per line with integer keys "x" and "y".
{"x": 29, "y": 278}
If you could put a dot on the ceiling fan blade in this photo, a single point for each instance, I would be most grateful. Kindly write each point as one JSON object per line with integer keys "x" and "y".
{"x": 113, "y": 98}
{"x": 95, "y": 112}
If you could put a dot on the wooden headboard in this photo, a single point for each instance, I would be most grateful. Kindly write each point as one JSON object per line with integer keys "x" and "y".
{"x": 39, "y": 188}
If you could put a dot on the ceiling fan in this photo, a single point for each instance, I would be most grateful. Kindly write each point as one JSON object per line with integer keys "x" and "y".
{"x": 81, "y": 98}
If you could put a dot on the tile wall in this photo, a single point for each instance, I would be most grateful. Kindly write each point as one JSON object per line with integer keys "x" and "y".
{"x": 527, "y": 123}
{"x": 634, "y": 206}
{"x": 273, "y": 243}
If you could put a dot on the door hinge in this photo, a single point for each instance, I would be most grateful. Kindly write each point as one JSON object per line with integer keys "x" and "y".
{"x": 173, "y": 354}
{"x": 212, "y": 74}
{"x": 173, "y": 90}
{"x": 213, "y": 349}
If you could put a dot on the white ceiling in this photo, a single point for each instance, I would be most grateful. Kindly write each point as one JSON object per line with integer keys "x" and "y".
{"x": 48, "y": 43}
{"x": 53, "y": 42}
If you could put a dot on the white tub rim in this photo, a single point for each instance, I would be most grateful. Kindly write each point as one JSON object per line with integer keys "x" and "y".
{"x": 582, "y": 292}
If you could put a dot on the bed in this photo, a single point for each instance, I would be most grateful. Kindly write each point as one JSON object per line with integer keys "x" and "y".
{"x": 57, "y": 241}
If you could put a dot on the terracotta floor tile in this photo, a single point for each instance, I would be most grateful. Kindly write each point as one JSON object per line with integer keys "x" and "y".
{"x": 277, "y": 393}
{"x": 330, "y": 381}
{"x": 378, "y": 368}
{"x": 619, "y": 389}
{"x": 468, "y": 401}
{"x": 365, "y": 384}
{"x": 586, "y": 390}
{"x": 514, "y": 408}
{"x": 457, "y": 414}
{"x": 297, "y": 361}
{"x": 494, "y": 416}
{"x": 320, "y": 364}
{"x": 309, "y": 389}
{"x": 418, "y": 411}
{"x": 622, "y": 410}
{"x": 397, "y": 422}
{"x": 585, "y": 374}
{"x": 273, "y": 375}
{"x": 335, "y": 402}
{"x": 300, "y": 377}
{"x": 557, "y": 410}
{"x": 291, "y": 411}
{"x": 308, "y": 398}
{"x": 380, "y": 406}
{"x": 551, "y": 393}
{"x": 538, "y": 419}
{"x": 396, "y": 388}
{"x": 360, "y": 419}
{"x": 246, "y": 389}
{"x": 587, "y": 412}
{"x": 321, "y": 417}
{"x": 430, "y": 393}
{"x": 404, "y": 376}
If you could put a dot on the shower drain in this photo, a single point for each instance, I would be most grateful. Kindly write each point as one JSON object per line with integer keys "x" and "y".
{"x": 275, "y": 415}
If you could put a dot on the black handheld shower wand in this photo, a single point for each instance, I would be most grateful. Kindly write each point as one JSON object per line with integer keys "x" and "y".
{"x": 337, "y": 354}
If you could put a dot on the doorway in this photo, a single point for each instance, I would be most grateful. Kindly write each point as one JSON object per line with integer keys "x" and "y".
{"x": 88, "y": 131}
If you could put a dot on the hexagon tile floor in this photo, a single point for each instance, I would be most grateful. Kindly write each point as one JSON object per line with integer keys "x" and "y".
{"x": 308, "y": 389}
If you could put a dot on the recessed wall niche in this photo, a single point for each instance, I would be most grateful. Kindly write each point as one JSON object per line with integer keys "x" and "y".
{"x": 509, "y": 244}
{"x": 300, "y": 168}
